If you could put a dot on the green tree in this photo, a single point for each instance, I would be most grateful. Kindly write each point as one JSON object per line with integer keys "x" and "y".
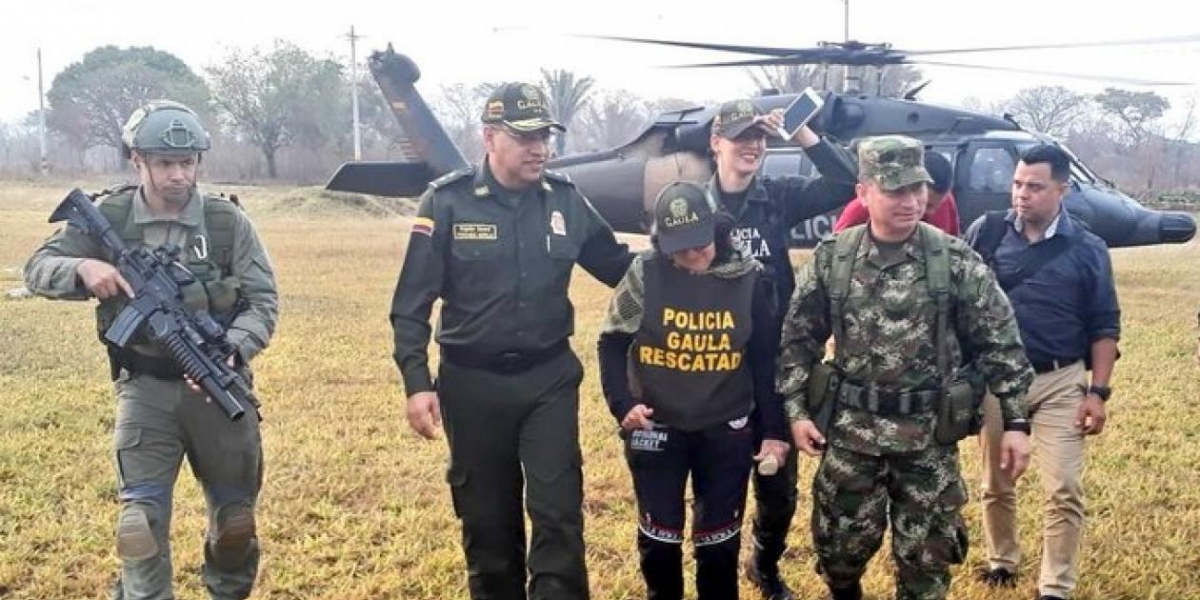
{"x": 1136, "y": 111}
{"x": 568, "y": 96}
{"x": 90, "y": 100}
{"x": 281, "y": 97}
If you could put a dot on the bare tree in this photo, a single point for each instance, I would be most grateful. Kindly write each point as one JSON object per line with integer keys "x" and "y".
{"x": 980, "y": 105}
{"x": 893, "y": 81}
{"x": 379, "y": 130}
{"x": 278, "y": 97}
{"x": 889, "y": 81}
{"x": 1053, "y": 110}
{"x": 791, "y": 79}
{"x": 458, "y": 108}
{"x": 671, "y": 104}
{"x": 613, "y": 118}
{"x": 1181, "y": 148}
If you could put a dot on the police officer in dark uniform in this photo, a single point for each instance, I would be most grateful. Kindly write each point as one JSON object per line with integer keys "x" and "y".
{"x": 765, "y": 210}
{"x": 697, "y": 316}
{"x": 497, "y": 243}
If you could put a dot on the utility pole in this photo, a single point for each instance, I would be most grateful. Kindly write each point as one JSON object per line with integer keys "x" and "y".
{"x": 846, "y": 21}
{"x": 851, "y": 83}
{"x": 44, "y": 166}
{"x": 354, "y": 92}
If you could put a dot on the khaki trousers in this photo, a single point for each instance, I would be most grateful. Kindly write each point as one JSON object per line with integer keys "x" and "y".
{"x": 1058, "y": 455}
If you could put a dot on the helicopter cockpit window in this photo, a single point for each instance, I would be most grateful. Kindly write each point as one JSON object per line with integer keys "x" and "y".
{"x": 1079, "y": 171}
{"x": 992, "y": 170}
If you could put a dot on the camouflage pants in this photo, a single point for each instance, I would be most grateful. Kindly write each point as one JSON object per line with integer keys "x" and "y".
{"x": 158, "y": 424}
{"x": 923, "y": 492}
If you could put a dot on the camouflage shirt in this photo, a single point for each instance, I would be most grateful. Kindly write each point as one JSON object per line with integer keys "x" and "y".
{"x": 890, "y": 322}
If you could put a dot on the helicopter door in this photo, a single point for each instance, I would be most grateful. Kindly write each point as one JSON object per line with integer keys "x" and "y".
{"x": 983, "y": 179}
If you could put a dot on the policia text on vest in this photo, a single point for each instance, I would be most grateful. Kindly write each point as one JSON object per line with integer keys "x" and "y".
{"x": 696, "y": 341}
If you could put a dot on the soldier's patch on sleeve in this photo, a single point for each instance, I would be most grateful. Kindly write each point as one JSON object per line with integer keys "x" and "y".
{"x": 423, "y": 226}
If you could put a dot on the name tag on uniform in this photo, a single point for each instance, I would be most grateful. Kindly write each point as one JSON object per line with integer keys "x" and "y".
{"x": 475, "y": 231}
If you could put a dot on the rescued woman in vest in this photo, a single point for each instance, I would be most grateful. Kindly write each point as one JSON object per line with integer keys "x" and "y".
{"x": 686, "y": 365}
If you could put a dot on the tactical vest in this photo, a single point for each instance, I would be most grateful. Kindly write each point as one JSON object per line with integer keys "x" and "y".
{"x": 937, "y": 278}
{"x": 208, "y": 254}
{"x": 767, "y": 218}
{"x": 690, "y": 352}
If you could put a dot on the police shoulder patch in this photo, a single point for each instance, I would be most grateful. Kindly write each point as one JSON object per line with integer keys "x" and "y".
{"x": 452, "y": 177}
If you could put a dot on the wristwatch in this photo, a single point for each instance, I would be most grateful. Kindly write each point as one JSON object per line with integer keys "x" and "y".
{"x": 1021, "y": 425}
{"x": 1103, "y": 391}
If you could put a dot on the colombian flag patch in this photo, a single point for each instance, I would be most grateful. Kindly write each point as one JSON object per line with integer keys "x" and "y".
{"x": 422, "y": 226}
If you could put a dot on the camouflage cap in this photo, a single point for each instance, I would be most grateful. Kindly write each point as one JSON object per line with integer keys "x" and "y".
{"x": 521, "y": 106}
{"x": 892, "y": 161}
{"x": 735, "y": 117}
{"x": 683, "y": 217}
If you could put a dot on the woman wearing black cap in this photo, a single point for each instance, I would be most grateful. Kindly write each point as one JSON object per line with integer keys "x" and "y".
{"x": 691, "y": 317}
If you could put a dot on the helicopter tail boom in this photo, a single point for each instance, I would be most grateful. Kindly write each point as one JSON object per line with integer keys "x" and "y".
{"x": 427, "y": 150}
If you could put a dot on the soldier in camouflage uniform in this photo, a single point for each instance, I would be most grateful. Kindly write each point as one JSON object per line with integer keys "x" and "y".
{"x": 160, "y": 416}
{"x": 882, "y": 459}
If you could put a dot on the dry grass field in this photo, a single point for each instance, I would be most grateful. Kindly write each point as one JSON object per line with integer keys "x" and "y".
{"x": 355, "y": 507}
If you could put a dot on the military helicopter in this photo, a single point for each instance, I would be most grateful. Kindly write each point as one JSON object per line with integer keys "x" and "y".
{"x": 622, "y": 182}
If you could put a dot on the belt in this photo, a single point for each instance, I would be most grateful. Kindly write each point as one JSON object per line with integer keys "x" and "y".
{"x": 887, "y": 402}
{"x": 507, "y": 363}
{"x": 1053, "y": 365}
{"x": 158, "y": 367}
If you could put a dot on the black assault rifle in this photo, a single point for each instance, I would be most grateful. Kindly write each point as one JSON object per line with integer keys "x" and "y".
{"x": 195, "y": 340}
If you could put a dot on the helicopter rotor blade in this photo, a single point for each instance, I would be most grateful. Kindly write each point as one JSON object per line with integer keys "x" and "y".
{"x": 763, "y": 50}
{"x": 753, "y": 62}
{"x": 1101, "y": 78}
{"x": 1178, "y": 39}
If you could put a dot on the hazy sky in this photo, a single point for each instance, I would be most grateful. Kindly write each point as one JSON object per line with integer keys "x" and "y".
{"x": 472, "y": 41}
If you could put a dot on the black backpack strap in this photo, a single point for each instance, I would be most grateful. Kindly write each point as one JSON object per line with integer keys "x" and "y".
{"x": 990, "y": 234}
{"x": 1036, "y": 257}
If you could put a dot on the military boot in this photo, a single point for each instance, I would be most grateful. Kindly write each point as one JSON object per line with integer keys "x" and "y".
{"x": 852, "y": 592}
{"x": 765, "y": 577}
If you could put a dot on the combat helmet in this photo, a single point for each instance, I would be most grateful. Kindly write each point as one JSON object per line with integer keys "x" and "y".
{"x": 164, "y": 127}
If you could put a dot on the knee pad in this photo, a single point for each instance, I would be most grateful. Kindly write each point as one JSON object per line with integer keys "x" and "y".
{"x": 135, "y": 538}
{"x": 234, "y": 536}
